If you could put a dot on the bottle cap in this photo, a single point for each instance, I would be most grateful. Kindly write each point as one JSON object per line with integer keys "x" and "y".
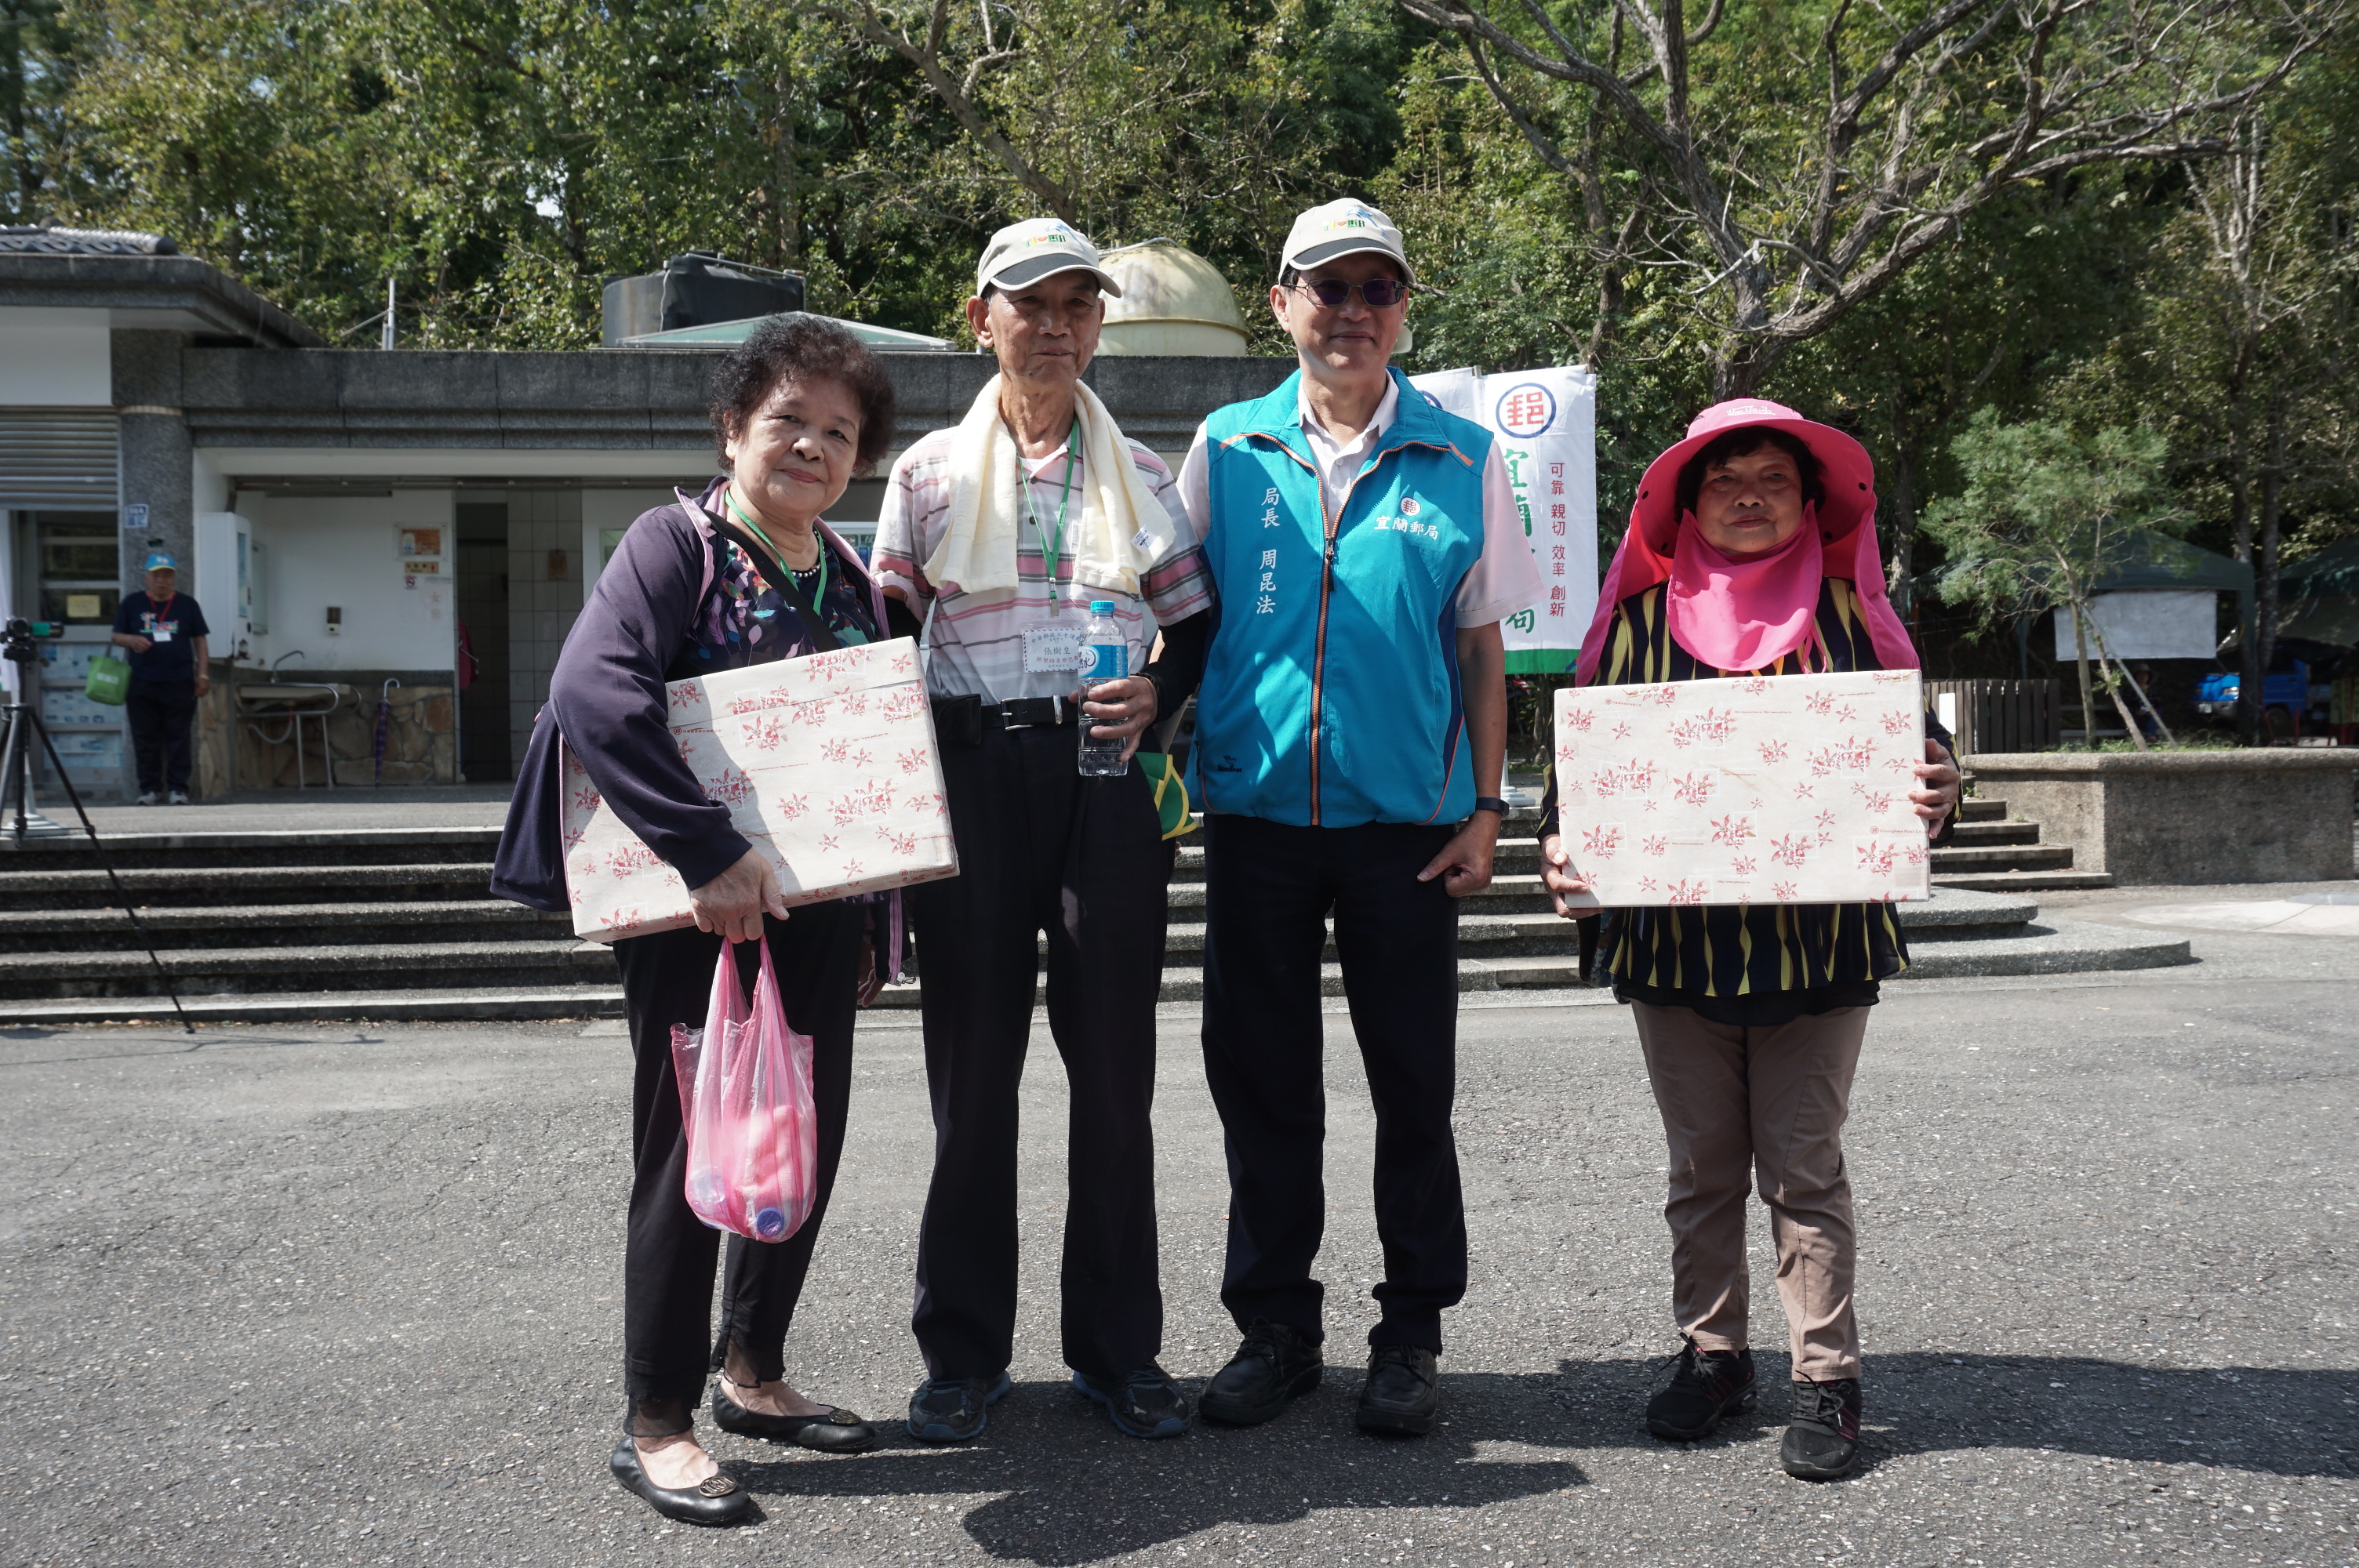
{"x": 1102, "y": 607}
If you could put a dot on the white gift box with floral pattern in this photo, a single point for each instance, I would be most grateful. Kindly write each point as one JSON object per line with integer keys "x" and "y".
{"x": 1753, "y": 789}
{"x": 827, "y": 765}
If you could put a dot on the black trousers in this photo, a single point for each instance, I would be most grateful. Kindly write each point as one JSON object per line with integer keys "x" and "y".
{"x": 160, "y": 713}
{"x": 667, "y": 1260}
{"x": 1042, "y": 847}
{"x": 1269, "y": 889}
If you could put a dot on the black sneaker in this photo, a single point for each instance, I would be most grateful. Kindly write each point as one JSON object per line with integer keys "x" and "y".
{"x": 1145, "y": 1403}
{"x": 954, "y": 1409}
{"x": 1823, "y": 1440}
{"x": 1403, "y": 1393}
{"x": 1273, "y": 1365}
{"x": 1708, "y": 1385}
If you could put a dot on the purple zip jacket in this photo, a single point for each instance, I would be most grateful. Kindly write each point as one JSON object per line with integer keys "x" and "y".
{"x": 671, "y": 605}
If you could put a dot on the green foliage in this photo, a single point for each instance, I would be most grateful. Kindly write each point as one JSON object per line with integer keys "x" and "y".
{"x": 500, "y": 161}
{"x": 2046, "y": 511}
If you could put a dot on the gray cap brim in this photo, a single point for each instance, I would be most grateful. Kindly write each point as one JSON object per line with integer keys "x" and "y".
{"x": 1032, "y": 269}
{"x": 1320, "y": 255}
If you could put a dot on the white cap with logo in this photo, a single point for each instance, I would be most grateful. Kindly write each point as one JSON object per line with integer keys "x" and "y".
{"x": 1026, "y": 253}
{"x": 1341, "y": 229}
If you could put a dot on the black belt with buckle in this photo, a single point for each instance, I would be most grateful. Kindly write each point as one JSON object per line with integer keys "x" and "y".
{"x": 963, "y": 719}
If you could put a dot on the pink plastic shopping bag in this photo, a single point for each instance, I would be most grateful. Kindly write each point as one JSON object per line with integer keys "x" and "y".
{"x": 745, "y": 1099}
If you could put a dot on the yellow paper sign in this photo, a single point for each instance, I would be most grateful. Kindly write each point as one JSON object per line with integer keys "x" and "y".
{"x": 81, "y": 607}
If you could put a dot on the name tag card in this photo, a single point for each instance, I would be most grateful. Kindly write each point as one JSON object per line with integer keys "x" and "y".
{"x": 1054, "y": 649}
{"x": 1759, "y": 789}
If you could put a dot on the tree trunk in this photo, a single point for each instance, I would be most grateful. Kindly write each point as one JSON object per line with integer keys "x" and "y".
{"x": 2088, "y": 691}
{"x": 790, "y": 214}
{"x": 1741, "y": 364}
{"x": 2240, "y": 514}
{"x": 2265, "y": 557}
{"x": 1899, "y": 529}
{"x": 2114, "y": 690}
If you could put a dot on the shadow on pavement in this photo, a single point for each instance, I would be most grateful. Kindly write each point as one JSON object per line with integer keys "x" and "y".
{"x": 1073, "y": 1491}
{"x": 1076, "y": 1491}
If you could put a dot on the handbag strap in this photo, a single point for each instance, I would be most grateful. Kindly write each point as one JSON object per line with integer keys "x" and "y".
{"x": 783, "y": 581}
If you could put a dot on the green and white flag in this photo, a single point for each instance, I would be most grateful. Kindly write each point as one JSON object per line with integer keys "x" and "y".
{"x": 1546, "y": 424}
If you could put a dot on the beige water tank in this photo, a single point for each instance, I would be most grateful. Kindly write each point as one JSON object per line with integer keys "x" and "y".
{"x": 1173, "y": 302}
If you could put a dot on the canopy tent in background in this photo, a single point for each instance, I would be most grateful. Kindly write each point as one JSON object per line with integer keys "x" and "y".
{"x": 1546, "y": 425}
{"x": 2151, "y": 564}
{"x": 2318, "y": 599}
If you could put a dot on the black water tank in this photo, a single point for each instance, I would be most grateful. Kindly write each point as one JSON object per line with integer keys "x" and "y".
{"x": 698, "y": 289}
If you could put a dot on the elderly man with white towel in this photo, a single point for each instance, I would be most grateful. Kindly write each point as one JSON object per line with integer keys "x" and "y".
{"x": 1000, "y": 534}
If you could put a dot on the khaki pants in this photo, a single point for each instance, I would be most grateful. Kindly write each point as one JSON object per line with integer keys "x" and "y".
{"x": 1736, "y": 1101}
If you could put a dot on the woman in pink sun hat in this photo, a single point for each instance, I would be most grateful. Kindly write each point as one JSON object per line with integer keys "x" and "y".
{"x": 1752, "y": 551}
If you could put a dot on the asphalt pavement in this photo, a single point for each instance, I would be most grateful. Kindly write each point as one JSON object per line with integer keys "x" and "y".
{"x": 330, "y": 1296}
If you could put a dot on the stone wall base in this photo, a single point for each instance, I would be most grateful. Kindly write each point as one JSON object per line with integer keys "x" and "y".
{"x": 2174, "y": 818}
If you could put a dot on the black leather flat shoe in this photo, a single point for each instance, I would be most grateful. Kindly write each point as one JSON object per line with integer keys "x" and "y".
{"x": 715, "y": 1500}
{"x": 1275, "y": 1363}
{"x": 1403, "y": 1393}
{"x": 837, "y": 1431}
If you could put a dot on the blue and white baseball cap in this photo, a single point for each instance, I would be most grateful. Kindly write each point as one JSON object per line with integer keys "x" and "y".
{"x": 160, "y": 562}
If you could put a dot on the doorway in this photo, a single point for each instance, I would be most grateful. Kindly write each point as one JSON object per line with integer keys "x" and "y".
{"x": 483, "y": 528}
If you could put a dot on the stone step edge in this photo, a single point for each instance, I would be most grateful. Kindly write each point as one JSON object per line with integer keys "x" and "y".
{"x": 2022, "y": 881}
{"x": 178, "y": 916}
{"x": 2073, "y": 947}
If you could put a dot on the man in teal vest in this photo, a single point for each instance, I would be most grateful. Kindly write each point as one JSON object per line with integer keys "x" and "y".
{"x": 1350, "y": 732}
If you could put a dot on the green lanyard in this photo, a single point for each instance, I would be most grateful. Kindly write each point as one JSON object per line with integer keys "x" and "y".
{"x": 1053, "y": 546}
{"x": 730, "y": 496}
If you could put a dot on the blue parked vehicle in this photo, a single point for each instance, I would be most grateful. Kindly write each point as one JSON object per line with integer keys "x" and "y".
{"x": 2284, "y": 691}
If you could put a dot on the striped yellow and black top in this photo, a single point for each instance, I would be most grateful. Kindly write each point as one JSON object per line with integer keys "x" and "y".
{"x": 1723, "y": 953}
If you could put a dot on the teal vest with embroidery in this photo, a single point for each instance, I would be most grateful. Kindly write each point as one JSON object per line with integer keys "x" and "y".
{"x": 1331, "y": 693}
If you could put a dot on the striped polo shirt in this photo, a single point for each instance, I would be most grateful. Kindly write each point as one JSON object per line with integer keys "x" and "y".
{"x": 975, "y": 646}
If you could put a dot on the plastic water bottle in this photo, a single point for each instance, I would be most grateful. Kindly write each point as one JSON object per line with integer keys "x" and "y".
{"x": 1105, "y": 656}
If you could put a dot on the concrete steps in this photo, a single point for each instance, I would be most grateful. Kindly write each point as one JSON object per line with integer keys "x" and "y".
{"x": 278, "y": 926}
{"x": 396, "y": 923}
{"x": 1992, "y": 852}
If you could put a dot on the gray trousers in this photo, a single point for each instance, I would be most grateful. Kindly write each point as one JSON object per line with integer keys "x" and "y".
{"x": 1767, "y": 1105}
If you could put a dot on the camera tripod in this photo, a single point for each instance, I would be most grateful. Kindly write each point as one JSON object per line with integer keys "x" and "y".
{"x": 24, "y": 732}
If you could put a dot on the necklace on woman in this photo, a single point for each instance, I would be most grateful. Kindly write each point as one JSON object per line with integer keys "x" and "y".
{"x": 730, "y": 496}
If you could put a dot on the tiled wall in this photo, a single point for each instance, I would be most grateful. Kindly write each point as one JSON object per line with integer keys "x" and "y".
{"x": 541, "y": 604}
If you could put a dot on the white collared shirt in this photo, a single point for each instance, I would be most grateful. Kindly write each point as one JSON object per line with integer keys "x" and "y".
{"x": 1504, "y": 579}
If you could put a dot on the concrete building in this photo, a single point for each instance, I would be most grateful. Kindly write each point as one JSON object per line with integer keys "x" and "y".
{"x": 345, "y": 517}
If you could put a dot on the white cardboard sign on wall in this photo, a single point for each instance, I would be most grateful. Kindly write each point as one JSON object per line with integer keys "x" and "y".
{"x": 1758, "y": 789}
{"x": 827, "y": 765}
{"x": 2145, "y": 623}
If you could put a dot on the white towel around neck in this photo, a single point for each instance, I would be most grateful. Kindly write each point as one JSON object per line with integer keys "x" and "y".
{"x": 1122, "y": 529}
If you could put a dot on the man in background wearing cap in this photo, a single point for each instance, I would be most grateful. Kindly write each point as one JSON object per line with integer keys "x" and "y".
{"x": 165, "y": 633}
{"x": 1000, "y": 534}
{"x": 1351, "y": 728}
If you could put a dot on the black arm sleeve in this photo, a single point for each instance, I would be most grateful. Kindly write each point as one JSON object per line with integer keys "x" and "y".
{"x": 901, "y": 620}
{"x": 607, "y": 693}
{"x": 1180, "y": 669}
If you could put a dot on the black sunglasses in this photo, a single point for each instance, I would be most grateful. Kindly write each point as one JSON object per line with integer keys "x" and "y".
{"x": 1381, "y": 292}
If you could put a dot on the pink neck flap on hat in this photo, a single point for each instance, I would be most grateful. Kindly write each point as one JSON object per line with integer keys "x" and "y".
{"x": 1742, "y": 615}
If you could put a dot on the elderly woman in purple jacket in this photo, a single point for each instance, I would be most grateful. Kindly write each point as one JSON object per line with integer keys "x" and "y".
{"x": 744, "y": 574}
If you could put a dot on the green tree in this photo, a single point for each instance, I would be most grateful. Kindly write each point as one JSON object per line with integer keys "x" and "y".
{"x": 36, "y": 70}
{"x": 2045, "y": 514}
{"x": 1791, "y": 173}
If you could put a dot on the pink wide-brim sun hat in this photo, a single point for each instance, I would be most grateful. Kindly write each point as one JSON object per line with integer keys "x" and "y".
{"x": 1846, "y": 471}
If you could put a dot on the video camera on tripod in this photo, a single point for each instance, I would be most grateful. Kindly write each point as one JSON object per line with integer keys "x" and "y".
{"x": 21, "y": 640}
{"x": 23, "y": 738}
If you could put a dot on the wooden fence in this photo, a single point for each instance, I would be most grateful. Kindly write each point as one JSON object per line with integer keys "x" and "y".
{"x": 1998, "y": 716}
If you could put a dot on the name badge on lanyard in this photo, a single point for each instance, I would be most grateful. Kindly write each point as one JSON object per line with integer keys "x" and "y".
{"x": 1055, "y": 648}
